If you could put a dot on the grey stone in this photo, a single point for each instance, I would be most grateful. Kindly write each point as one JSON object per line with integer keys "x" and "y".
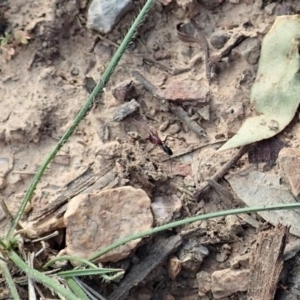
{"x": 249, "y": 50}
{"x": 270, "y": 8}
{"x": 219, "y": 39}
{"x": 126, "y": 110}
{"x": 192, "y": 255}
{"x": 74, "y": 71}
{"x": 104, "y": 14}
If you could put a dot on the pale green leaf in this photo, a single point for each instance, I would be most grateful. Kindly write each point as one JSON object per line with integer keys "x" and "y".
{"x": 276, "y": 91}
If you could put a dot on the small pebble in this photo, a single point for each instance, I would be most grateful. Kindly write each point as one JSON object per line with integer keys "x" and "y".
{"x": 162, "y": 54}
{"x": 174, "y": 128}
{"x": 163, "y": 127}
{"x": 74, "y": 71}
{"x": 186, "y": 50}
{"x": 219, "y": 39}
{"x": 270, "y": 9}
{"x": 189, "y": 181}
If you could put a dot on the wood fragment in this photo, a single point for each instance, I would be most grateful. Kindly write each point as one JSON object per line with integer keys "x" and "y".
{"x": 161, "y": 248}
{"x": 191, "y": 149}
{"x": 267, "y": 263}
{"x": 146, "y": 83}
{"x": 204, "y": 187}
{"x": 78, "y": 185}
{"x": 194, "y": 126}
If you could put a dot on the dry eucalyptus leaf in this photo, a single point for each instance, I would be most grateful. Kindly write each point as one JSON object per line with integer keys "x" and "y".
{"x": 276, "y": 90}
{"x": 258, "y": 189}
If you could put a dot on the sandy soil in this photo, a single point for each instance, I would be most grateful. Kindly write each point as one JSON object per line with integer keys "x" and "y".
{"x": 44, "y": 86}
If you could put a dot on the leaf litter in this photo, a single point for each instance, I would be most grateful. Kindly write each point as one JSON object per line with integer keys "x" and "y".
{"x": 275, "y": 93}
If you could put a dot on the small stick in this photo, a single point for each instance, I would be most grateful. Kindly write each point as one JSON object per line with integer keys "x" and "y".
{"x": 159, "y": 251}
{"x": 182, "y": 114}
{"x": 177, "y": 111}
{"x": 169, "y": 70}
{"x": 204, "y": 45}
{"x": 205, "y": 186}
{"x": 8, "y": 214}
{"x": 146, "y": 83}
{"x": 193, "y": 148}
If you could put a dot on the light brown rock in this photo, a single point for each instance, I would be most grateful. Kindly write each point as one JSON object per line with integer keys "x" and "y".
{"x": 289, "y": 161}
{"x": 227, "y": 282}
{"x": 204, "y": 283}
{"x": 95, "y": 221}
{"x": 174, "y": 267}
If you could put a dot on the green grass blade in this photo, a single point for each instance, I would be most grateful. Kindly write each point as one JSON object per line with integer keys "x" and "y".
{"x": 194, "y": 219}
{"x": 9, "y": 280}
{"x": 88, "y": 272}
{"x": 77, "y": 290}
{"x": 40, "y": 277}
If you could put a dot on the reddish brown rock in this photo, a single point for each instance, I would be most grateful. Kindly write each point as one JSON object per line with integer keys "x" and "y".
{"x": 125, "y": 91}
{"x": 95, "y": 221}
{"x": 184, "y": 90}
{"x": 289, "y": 161}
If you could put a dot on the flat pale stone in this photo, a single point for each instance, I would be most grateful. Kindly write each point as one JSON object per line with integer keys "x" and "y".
{"x": 289, "y": 161}
{"x": 164, "y": 208}
{"x": 227, "y": 282}
{"x": 95, "y": 221}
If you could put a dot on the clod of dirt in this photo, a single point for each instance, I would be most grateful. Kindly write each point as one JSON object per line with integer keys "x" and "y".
{"x": 23, "y": 126}
{"x": 224, "y": 253}
{"x": 234, "y": 225}
{"x": 94, "y": 221}
{"x": 164, "y": 208}
{"x": 227, "y": 282}
{"x": 103, "y": 14}
{"x": 192, "y": 255}
{"x": 204, "y": 283}
{"x": 109, "y": 150}
{"x": 289, "y": 161}
{"x": 240, "y": 261}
